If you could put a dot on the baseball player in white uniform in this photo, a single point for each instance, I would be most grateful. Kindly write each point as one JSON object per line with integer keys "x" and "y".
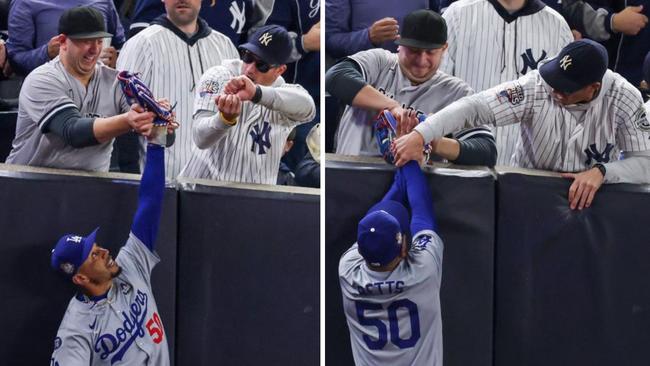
{"x": 390, "y": 287}
{"x": 71, "y": 108}
{"x": 171, "y": 55}
{"x": 244, "y": 112}
{"x": 494, "y": 41}
{"x": 114, "y": 320}
{"x": 406, "y": 82}
{"x": 576, "y": 117}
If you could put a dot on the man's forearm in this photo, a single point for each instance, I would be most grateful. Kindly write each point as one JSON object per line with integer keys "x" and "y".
{"x": 633, "y": 169}
{"x": 208, "y": 129}
{"x": 108, "y": 128}
{"x": 371, "y": 98}
{"x": 467, "y": 112}
{"x": 292, "y": 101}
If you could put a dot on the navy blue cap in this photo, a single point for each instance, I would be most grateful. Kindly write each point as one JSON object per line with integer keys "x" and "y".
{"x": 380, "y": 231}
{"x": 71, "y": 251}
{"x": 646, "y": 68}
{"x": 271, "y": 43}
{"x": 579, "y": 64}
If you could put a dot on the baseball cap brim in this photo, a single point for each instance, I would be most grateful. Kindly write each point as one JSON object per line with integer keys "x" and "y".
{"x": 89, "y": 35}
{"x": 88, "y": 243}
{"x": 258, "y": 52}
{"x": 395, "y": 209}
{"x": 408, "y": 42}
{"x": 553, "y": 75}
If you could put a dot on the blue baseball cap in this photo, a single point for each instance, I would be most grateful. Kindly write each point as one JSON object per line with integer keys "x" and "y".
{"x": 379, "y": 233}
{"x": 270, "y": 43}
{"x": 579, "y": 64}
{"x": 71, "y": 251}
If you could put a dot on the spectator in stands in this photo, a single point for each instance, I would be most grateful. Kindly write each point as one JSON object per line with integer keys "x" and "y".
{"x": 285, "y": 174}
{"x": 171, "y": 55}
{"x": 70, "y": 109}
{"x": 355, "y": 25}
{"x": 620, "y": 26}
{"x": 308, "y": 170}
{"x": 33, "y": 38}
{"x": 244, "y": 112}
{"x": 233, "y": 18}
{"x": 526, "y": 32}
{"x": 302, "y": 20}
{"x": 407, "y": 83}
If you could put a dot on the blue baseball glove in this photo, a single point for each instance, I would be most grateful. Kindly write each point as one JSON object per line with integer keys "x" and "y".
{"x": 385, "y": 126}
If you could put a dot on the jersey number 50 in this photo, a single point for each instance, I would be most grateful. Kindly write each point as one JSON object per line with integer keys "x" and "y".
{"x": 412, "y": 308}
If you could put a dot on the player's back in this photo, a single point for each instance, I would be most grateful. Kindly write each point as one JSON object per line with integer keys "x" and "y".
{"x": 394, "y": 317}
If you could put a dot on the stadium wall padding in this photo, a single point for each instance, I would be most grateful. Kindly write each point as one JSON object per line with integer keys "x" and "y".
{"x": 248, "y": 277}
{"x": 464, "y": 207}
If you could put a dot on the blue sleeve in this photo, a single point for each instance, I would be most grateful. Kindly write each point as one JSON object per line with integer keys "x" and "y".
{"x": 419, "y": 197}
{"x": 152, "y": 187}
{"x": 397, "y": 192}
{"x": 20, "y": 45}
{"x": 340, "y": 40}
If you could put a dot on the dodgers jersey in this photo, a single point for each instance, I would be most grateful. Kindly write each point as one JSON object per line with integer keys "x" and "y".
{"x": 381, "y": 70}
{"x": 486, "y": 49}
{"x": 50, "y": 90}
{"x": 124, "y": 328}
{"x": 556, "y": 137}
{"x": 394, "y": 317}
{"x": 250, "y": 151}
{"x": 172, "y": 68}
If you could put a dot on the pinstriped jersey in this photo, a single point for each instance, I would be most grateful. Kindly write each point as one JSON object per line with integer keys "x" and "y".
{"x": 124, "y": 328}
{"x": 394, "y": 317}
{"x": 50, "y": 90}
{"x": 172, "y": 69}
{"x": 486, "y": 50}
{"x": 250, "y": 151}
{"x": 381, "y": 70}
{"x": 562, "y": 138}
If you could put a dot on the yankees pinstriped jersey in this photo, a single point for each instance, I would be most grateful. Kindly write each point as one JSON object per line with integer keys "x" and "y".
{"x": 488, "y": 47}
{"x": 394, "y": 317}
{"x": 124, "y": 328}
{"x": 381, "y": 70}
{"x": 172, "y": 66}
{"x": 50, "y": 90}
{"x": 250, "y": 151}
{"x": 556, "y": 137}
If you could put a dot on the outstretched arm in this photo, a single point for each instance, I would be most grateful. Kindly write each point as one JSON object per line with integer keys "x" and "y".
{"x": 152, "y": 186}
{"x": 419, "y": 197}
{"x": 397, "y": 192}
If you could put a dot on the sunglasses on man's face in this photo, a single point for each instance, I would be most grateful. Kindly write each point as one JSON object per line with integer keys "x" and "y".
{"x": 261, "y": 66}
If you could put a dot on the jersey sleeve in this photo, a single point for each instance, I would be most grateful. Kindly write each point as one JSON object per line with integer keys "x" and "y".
{"x": 511, "y": 102}
{"x": 632, "y": 124}
{"x": 136, "y": 259}
{"x": 373, "y": 63}
{"x": 44, "y": 96}
{"x": 70, "y": 349}
{"x": 291, "y": 101}
{"x": 427, "y": 248}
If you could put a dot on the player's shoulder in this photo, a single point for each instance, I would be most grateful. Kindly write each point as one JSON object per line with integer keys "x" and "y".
{"x": 551, "y": 14}
{"x": 445, "y": 80}
{"x": 462, "y": 6}
{"x": 374, "y": 54}
{"x": 225, "y": 70}
{"x": 617, "y": 87}
{"x": 350, "y": 260}
{"x": 217, "y": 36}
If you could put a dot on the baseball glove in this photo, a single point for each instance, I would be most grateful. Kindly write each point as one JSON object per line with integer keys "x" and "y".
{"x": 385, "y": 127}
{"x": 136, "y": 91}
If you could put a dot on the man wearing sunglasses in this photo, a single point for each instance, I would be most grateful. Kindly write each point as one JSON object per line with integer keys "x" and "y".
{"x": 244, "y": 112}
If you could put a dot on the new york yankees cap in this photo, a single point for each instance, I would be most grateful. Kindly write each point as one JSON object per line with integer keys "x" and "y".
{"x": 578, "y": 64}
{"x": 270, "y": 43}
{"x": 424, "y": 29}
{"x": 380, "y": 232}
{"x": 83, "y": 22}
{"x": 71, "y": 251}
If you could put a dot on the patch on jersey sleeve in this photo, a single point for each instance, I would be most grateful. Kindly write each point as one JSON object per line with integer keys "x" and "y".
{"x": 513, "y": 94}
{"x": 215, "y": 83}
{"x": 640, "y": 120}
{"x": 57, "y": 343}
{"x": 421, "y": 242}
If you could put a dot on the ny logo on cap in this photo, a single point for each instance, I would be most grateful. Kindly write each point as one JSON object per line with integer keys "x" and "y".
{"x": 565, "y": 62}
{"x": 75, "y": 238}
{"x": 265, "y": 39}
